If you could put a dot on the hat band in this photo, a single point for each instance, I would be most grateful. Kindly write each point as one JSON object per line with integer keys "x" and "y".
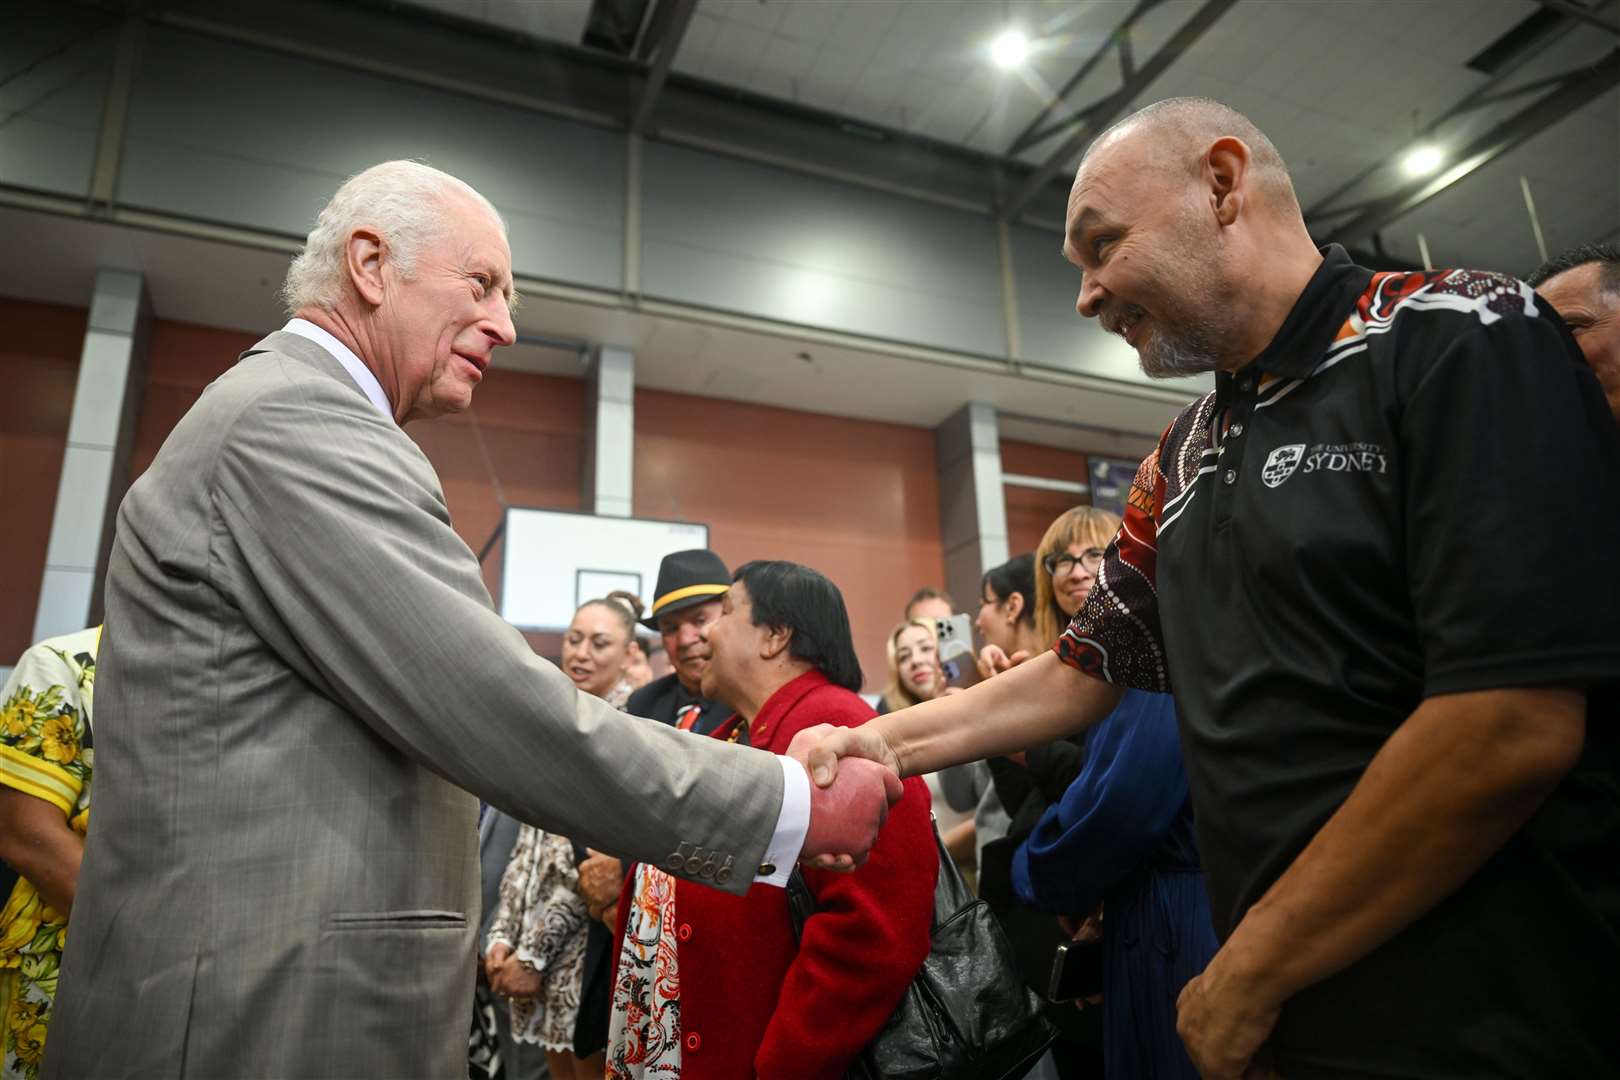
{"x": 681, "y": 594}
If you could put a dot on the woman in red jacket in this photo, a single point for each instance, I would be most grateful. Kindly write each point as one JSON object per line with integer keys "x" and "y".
{"x": 710, "y": 985}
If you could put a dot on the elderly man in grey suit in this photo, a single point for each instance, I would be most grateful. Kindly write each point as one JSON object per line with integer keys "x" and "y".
{"x": 302, "y": 678}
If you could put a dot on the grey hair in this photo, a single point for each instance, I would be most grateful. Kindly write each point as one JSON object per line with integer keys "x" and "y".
{"x": 403, "y": 200}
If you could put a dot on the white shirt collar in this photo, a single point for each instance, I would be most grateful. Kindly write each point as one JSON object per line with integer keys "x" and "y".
{"x": 344, "y": 355}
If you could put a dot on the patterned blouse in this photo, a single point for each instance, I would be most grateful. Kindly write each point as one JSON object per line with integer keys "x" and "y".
{"x": 44, "y": 752}
{"x": 542, "y": 918}
{"x": 644, "y": 1034}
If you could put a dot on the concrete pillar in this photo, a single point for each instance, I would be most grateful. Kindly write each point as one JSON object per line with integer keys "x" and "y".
{"x": 95, "y": 468}
{"x": 610, "y": 436}
{"x": 972, "y": 507}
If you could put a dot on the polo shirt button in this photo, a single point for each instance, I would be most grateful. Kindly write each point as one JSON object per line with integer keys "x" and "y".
{"x": 694, "y": 1042}
{"x": 685, "y": 932}
{"x": 1236, "y": 430}
{"x": 767, "y": 869}
{"x": 1231, "y": 476}
{"x": 1246, "y": 383}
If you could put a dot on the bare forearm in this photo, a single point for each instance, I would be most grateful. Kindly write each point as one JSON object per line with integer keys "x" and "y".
{"x": 1035, "y": 702}
{"x": 36, "y": 841}
{"x": 959, "y": 839}
{"x": 1447, "y": 790}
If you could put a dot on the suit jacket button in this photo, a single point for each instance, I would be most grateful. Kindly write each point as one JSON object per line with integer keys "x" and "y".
{"x": 685, "y": 932}
{"x": 694, "y": 1042}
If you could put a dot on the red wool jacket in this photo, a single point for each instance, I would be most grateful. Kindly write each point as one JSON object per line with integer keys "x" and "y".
{"x": 754, "y": 1003}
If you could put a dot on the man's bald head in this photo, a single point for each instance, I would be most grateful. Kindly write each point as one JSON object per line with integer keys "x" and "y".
{"x": 1176, "y": 133}
{"x": 1188, "y": 235}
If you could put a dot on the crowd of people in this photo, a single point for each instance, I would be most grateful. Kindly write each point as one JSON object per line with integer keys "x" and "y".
{"x": 594, "y": 966}
{"x": 1287, "y": 772}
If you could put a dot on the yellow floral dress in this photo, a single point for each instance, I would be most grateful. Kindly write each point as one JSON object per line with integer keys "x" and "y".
{"x": 44, "y": 752}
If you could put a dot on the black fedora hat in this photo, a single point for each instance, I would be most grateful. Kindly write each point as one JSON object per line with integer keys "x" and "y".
{"x": 686, "y": 578}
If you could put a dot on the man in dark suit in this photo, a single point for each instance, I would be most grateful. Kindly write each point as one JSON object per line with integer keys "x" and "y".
{"x": 690, "y": 584}
{"x": 686, "y": 601}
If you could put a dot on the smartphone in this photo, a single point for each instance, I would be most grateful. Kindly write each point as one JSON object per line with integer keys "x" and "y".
{"x": 956, "y": 657}
{"x": 1077, "y": 971}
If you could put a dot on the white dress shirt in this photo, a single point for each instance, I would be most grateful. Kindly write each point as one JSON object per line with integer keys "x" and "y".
{"x": 356, "y": 368}
{"x": 793, "y": 823}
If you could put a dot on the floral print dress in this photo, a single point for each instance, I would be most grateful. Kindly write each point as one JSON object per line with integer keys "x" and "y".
{"x": 543, "y": 919}
{"x": 45, "y": 752}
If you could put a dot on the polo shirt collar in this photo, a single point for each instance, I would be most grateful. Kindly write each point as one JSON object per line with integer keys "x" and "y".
{"x": 1314, "y": 320}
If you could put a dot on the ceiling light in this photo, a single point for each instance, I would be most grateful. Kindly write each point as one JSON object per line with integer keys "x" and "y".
{"x": 1422, "y": 160}
{"x": 1009, "y": 49}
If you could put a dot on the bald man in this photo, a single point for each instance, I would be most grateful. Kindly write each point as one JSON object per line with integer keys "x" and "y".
{"x": 1583, "y": 286}
{"x": 1381, "y": 644}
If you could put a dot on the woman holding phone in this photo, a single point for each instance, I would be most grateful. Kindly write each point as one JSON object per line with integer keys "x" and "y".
{"x": 915, "y": 675}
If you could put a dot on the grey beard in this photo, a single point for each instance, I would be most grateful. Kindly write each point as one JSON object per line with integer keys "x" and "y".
{"x": 1172, "y": 356}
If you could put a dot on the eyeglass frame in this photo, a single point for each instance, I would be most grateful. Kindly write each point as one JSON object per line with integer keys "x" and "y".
{"x": 1091, "y": 556}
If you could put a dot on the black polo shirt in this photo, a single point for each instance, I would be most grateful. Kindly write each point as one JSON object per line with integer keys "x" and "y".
{"x": 1414, "y": 490}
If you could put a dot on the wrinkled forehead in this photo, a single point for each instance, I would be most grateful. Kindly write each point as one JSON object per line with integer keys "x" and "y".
{"x": 1118, "y": 173}
{"x": 1580, "y": 285}
{"x": 477, "y": 240}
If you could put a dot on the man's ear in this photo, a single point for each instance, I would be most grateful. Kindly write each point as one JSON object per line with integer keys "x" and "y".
{"x": 363, "y": 258}
{"x": 1226, "y": 171}
{"x": 775, "y": 642}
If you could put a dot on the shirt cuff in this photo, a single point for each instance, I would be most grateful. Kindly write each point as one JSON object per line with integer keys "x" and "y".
{"x": 791, "y": 826}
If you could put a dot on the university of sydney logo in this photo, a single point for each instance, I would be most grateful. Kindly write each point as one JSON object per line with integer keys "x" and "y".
{"x": 1282, "y": 462}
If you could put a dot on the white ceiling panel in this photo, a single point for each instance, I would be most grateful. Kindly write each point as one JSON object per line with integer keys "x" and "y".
{"x": 1339, "y": 85}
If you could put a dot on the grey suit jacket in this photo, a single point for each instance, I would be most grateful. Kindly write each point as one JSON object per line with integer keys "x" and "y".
{"x": 301, "y": 679}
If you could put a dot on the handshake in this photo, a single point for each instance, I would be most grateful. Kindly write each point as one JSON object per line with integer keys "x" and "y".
{"x": 849, "y": 798}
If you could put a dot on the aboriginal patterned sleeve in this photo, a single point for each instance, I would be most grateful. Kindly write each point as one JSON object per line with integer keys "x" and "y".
{"x": 1116, "y": 635}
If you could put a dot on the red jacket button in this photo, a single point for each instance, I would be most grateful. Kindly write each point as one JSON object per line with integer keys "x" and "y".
{"x": 684, "y": 932}
{"x": 694, "y": 1042}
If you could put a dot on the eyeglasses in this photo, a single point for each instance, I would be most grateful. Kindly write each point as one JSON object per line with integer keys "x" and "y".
{"x": 1061, "y": 562}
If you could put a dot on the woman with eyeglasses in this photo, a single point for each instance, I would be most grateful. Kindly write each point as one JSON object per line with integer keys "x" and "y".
{"x": 1066, "y": 564}
{"x": 1115, "y": 852}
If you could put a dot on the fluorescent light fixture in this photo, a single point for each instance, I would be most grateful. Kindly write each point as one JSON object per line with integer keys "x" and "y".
{"x": 1009, "y": 48}
{"x": 1422, "y": 160}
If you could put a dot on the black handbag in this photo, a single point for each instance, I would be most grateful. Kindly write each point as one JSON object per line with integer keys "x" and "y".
{"x": 967, "y": 1015}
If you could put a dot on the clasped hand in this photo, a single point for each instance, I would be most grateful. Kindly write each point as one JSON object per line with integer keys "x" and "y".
{"x": 508, "y": 976}
{"x": 849, "y": 801}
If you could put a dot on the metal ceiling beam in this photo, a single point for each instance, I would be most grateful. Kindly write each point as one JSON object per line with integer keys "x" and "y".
{"x": 1580, "y": 89}
{"x": 1584, "y": 14}
{"x": 1489, "y": 92}
{"x": 424, "y": 47}
{"x": 1034, "y": 134}
{"x": 1117, "y": 102}
{"x": 680, "y": 17}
